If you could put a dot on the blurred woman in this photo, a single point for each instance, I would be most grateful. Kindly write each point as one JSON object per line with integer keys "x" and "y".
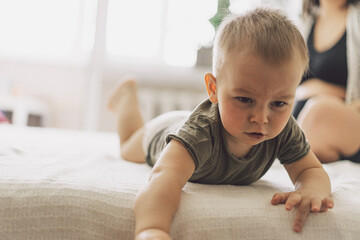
{"x": 328, "y": 98}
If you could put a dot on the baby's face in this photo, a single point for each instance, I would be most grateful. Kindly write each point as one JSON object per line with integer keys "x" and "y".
{"x": 256, "y": 97}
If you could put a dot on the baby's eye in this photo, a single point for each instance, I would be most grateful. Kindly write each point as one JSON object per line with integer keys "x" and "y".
{"x": 245, "y": 99}
{"x": 278, "y": 104}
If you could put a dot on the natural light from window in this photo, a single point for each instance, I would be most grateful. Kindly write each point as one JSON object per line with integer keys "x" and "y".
{"x": 138, "y": 31}
{"x": 188, "y": 28}
{"x": 134, "y": 28}
{"x": 163, "y": 31}
{"x": 43, "y": 28}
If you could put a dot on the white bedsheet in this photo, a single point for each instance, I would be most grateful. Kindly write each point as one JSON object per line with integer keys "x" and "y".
{"x": 60, "y": 184}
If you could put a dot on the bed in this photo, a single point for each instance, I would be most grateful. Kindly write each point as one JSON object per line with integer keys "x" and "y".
{"x": 65, "y": 184}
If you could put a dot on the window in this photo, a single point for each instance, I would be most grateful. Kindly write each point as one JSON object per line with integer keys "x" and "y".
{"x": 149, "y": 31}
{"x": 43, "y": 28}
{"x": 188, "y": 28}
{"x": 164, "y": 31}
{"x": 292, "y": 8}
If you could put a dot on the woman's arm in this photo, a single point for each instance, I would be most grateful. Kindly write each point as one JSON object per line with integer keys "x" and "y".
{"x": 312, "y": 189}
{"x": 355, "y": 105}
{"x": 158, "y": 201}
{"x": 315, "y": 87}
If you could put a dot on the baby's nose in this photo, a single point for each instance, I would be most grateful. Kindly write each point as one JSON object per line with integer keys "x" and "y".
{"x": 259, "y": 116}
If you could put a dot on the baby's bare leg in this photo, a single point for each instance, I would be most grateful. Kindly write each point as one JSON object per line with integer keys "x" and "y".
{"x": 331, "y": 126}
{"x": 124, "y": 102}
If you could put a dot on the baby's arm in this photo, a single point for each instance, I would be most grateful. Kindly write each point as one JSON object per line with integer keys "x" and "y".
{"x": 158, "y": 201}
{"x": 312, "y": 189}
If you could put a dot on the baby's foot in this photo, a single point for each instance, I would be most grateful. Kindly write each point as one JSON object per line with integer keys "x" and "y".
{"x": 125, "y": 89}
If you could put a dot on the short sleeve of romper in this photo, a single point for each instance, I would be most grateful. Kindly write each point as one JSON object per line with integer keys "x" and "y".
{"x": 293, "y": 143}
{"x": 199, "y": 133}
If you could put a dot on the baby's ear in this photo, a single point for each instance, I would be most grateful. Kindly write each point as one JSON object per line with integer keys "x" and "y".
{"x": 210, "y": 82}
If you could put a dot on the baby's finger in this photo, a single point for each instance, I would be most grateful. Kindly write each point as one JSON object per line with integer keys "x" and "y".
{"x": 301, "y": 215}
{"x": 323, "y": 208}
{"x": 279, "y": 198}
{"x": 316, "y": 205}
{"x": 326, "y": 204}
{"x": 293, "y": 201}
{"x": 329, "y": 202}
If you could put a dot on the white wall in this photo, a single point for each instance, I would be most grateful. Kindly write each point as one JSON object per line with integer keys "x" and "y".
{"x": 64, "y": 87}
{"x": 60, "y": 86}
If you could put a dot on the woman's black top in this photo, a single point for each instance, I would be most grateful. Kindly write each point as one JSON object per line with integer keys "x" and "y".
{"x": 330, "y": 65}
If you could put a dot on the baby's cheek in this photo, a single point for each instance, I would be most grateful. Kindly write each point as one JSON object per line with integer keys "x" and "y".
{"x": 234, "y": 120}
{"x": 279, "y": 124}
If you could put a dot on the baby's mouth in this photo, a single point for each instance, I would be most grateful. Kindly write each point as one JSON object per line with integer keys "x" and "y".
{"x": 255, "y": 135}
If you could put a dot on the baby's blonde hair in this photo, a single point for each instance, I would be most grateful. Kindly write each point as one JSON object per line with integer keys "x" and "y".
{"x": 267, "y": 32}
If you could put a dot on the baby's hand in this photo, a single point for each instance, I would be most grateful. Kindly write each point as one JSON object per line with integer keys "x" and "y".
{"x": 151, "y": 234}
{"x": 305, "y": 201}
